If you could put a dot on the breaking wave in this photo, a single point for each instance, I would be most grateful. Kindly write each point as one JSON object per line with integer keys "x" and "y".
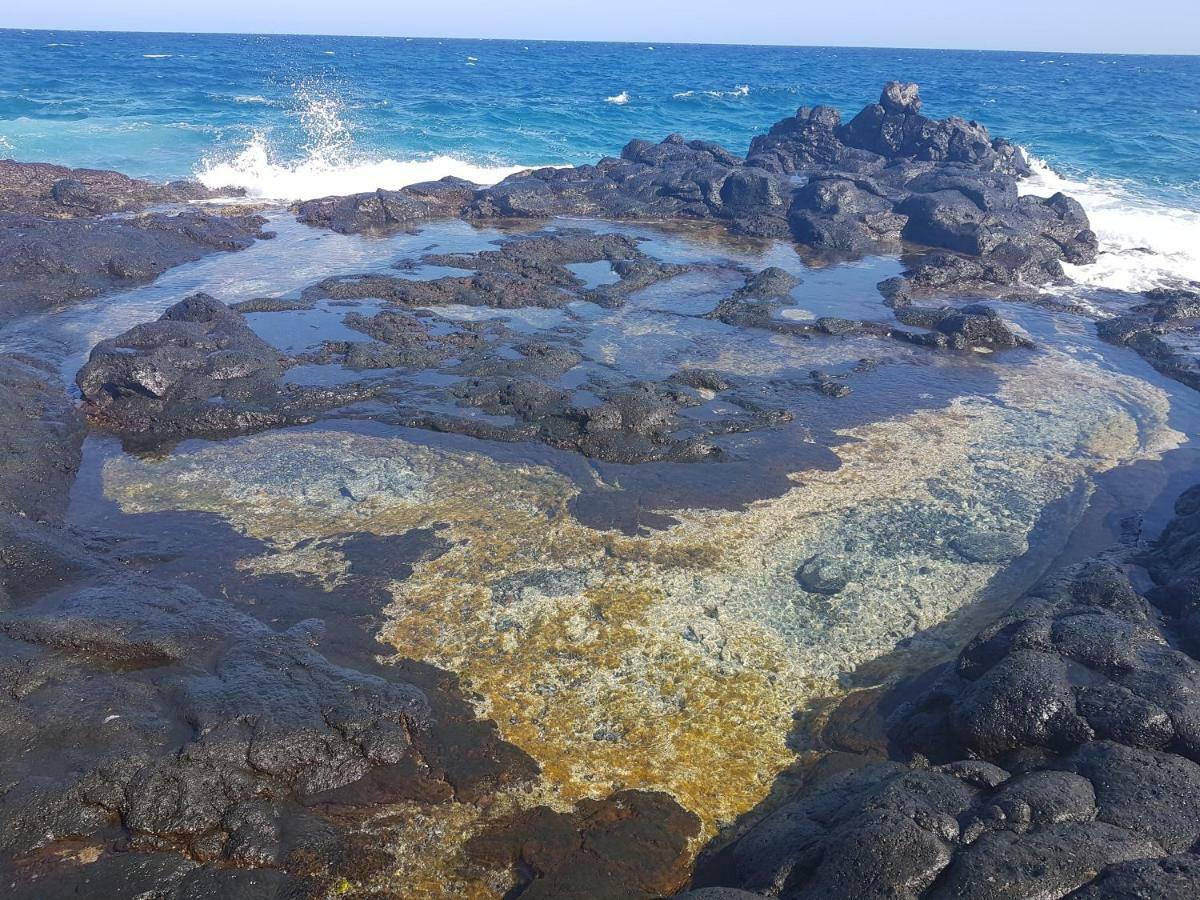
{"x": 327, "y": 162}
{"x": 1144, "y": 243}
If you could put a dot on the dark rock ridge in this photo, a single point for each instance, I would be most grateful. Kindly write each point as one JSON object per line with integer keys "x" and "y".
{"x": 382, "y": 210}
{"x": 524, "y": 272}
{"x": 890, "y": 175}
{"x": 1058, "y": 756}
{"x": 973, "y": 326}
{"x": 57, "y": 192}
{"x": 61, "y": 242}
{"x": 201, "y": 370}
{"x": 1165, "y": 330}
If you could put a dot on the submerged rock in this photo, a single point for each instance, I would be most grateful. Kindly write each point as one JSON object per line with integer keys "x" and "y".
{"x": 823, "y": 575}
{"x": 629, "y": 846}
{"x": 988, "y": 546}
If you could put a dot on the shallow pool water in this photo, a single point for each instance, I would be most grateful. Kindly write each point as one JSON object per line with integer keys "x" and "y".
{"x": 652, "y": 625}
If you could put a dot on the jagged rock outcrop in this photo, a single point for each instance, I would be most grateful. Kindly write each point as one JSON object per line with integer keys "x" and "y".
{"x": 383, "y": 210}
{"x": 890, "y": 175}
{"x": 198, "y": 370}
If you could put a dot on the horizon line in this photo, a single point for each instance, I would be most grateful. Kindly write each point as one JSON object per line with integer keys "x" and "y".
{"x": 666, "y": 43}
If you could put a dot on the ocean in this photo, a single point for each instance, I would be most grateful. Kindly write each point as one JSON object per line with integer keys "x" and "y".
{"x": 293, "y": 117}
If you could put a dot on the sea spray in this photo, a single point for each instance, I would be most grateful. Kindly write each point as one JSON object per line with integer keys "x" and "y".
{"x": 1144, "y": 243}
{"x": 328, "y": 162}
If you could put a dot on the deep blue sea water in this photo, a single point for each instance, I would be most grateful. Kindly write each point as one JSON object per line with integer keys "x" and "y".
{"x": 294, "y": 116}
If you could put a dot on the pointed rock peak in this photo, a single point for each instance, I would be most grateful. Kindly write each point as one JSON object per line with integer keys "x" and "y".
{"x": 901, "y": 97}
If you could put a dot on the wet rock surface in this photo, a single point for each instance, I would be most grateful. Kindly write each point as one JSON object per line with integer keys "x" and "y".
{"x": 40, "y": 454}
{"x": 524, "y": 272}
{"x": 48, "y": 262}
{"x": 1165, "y": 330}
{"x": 416, "y": 355}
{"x": 890, "y": 175}
{"x": 1055, "y": 757}
{"x": 198, "y": 370}
{"x": 630, "y": 845}
{"x": 173, "y": 727}
{"x": 58, "y": 192}
{"x": 384, "y": 210}
{"x": 69, "y": 234}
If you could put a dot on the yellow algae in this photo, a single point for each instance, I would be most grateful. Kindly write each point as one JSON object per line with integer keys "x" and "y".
{"x": 607, "y": 687}
{"x": 672, "y": 660}
{"x": 429, "y": 862}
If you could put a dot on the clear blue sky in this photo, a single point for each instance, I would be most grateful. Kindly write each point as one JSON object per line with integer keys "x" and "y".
{"x": 1110, "y": 26}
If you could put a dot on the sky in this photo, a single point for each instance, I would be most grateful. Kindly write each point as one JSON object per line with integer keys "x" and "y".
{"x": 1104, "y": 26}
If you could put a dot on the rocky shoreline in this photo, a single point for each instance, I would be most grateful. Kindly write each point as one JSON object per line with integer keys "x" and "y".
{"x": 68, "y": 234}
{"x": 178, "y": 724}
{"x": 890, "y": 175}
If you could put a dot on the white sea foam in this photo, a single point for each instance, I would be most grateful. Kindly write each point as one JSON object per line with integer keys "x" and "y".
{"x": 742, "y": 90}
{"x": 328, "y": 163}
{"x": 258, "y": 170}
{"x": 1144, "y": 243}
{"x": 618, "y": 99}
{"x": 156, "y": 56}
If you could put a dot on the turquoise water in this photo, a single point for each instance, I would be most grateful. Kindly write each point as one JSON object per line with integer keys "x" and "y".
{"x": 300, "y": 116}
